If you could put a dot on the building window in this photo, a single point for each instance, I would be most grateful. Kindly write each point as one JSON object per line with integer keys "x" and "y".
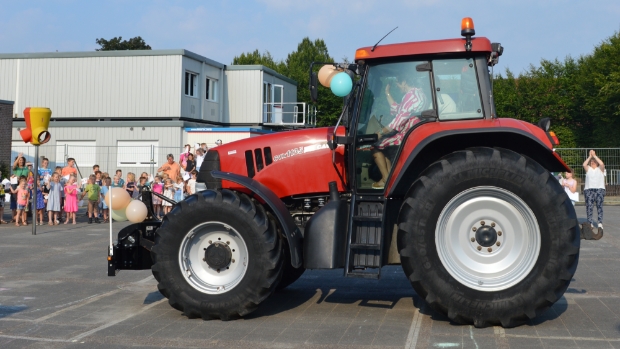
{"x": 211, "y": 89}
{"x": 137, "y": 153}
{"x": 191, "y": 88}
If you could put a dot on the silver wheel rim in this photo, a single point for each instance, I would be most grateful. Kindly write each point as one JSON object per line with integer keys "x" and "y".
{"x": 195, "y": 269}
{"x": 513, "y": 255}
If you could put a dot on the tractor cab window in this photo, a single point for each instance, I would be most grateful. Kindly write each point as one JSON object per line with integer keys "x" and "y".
{"x": 457, "y": 91}
{"x": 395, "y": 96}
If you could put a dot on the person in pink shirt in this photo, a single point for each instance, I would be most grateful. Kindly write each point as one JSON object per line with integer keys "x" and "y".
{"x": 391, "y": 136}
{"x": 71, "y": 201}
{"x": 22, "y": 201}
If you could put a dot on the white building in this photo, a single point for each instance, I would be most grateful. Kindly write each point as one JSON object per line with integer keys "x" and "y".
{"x": 128, "y": 109}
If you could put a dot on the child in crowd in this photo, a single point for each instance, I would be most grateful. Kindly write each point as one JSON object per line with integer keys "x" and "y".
{"x": 141, "y": 186}
{"x": 158, "y": 187}
{"x": 53, "y": 198}
{"x": 149, "y": 179}
{"x": 71, "y": 201}
{"x": 30, "y": 176}
{"x": 116, "y": 182}
{"x": 40, "y": 205}
{"x": 2, "y": 198}
{"x": 191, "y": 184}
{"x": 169, "y": 193}
{"x": 98, "y": 178}
{"x": 22, "y": 201}
{"x": 130, "y": 185}
{"x": 107, "y": 182}
{"x": 119, "y": 174}
{"x": 179, "y": 187}
{"x": 93, "y": 191}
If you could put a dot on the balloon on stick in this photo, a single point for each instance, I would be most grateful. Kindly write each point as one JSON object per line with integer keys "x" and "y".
{"x": 120, "y": 198}
{"x": 341, "y": 84}
{"x": 118, "y": 215}
{"x": 326, "y": 73}
{"x": 136, "y": 211}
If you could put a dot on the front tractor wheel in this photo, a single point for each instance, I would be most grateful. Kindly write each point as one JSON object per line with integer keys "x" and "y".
{"x": 487, "y": 236}
{"x": 217, "y": 255}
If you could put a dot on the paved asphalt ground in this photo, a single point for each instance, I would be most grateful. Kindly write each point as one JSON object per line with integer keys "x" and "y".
{"x": 54, "y": 293}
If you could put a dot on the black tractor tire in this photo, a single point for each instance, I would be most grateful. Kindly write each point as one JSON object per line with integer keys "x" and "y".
{"x": 238, "y": 213}
{"x": 438, "y": 190}
{"x": 290, "y": 274}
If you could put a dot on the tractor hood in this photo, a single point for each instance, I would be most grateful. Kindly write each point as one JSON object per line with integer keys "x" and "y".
{"x": 289, "y": 163}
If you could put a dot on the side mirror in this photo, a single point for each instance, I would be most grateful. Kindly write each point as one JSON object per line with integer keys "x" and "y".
{"x": 314, "y": 93}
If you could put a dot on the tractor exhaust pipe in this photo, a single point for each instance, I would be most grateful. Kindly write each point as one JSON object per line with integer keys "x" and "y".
{"x": 333, "y": 191}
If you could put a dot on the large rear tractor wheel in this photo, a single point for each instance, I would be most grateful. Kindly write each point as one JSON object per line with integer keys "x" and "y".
{"x": 488, "y": 236}
{"x": 217, "y": 255}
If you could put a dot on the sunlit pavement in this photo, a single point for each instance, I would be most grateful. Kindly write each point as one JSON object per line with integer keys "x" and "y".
{"x": 54, "y": 293}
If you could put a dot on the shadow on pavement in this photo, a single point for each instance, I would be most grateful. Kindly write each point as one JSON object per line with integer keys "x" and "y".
{"x": 8, "y": 310}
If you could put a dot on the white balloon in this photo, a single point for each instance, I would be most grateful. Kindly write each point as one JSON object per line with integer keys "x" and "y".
{"x": 136, "y": 211}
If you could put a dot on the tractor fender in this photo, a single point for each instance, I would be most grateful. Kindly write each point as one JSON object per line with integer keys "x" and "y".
{"x": 416, "y": 157}
{"x": 291, "y": 231}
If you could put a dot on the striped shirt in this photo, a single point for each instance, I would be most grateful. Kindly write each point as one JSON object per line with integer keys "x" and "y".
{"x": 414, "y": 101}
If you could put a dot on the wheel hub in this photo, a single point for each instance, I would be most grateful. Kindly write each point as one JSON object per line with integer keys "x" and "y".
{"x": 486, "y": 236}
{"x": 218, "y": 255}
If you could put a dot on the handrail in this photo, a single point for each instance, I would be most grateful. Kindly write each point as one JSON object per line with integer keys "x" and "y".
{"x": 288, "y": 114}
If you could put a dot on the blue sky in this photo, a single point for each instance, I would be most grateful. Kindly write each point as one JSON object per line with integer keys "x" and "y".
{"x": 529, "y": 30}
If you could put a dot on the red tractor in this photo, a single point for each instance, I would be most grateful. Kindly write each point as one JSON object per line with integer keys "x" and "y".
{"x": 419, "y": 171}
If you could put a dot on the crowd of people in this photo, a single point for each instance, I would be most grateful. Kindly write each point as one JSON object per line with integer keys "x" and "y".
{"x": 59, "y": 194}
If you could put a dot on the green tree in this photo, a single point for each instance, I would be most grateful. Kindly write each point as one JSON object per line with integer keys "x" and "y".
{"x": 252, "y": 58}
{"x": 582, "y": 97}
{"x": 598, "y": 92}
{"x": 118, "y": 44}
{"x": 298, "y": 63}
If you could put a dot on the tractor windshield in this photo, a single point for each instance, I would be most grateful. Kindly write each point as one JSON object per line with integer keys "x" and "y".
{"x": 395, "y": 96}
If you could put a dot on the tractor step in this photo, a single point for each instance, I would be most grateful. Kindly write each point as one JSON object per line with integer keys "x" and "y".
{"x": 363, "y": 275}
{"x": 365, "y": 238}
{"x": 367, "y": 219}
{"x": 366, "y": 246}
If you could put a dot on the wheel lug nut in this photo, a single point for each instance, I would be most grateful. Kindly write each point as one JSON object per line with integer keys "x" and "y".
{"x": 204, "y": 259}
{"x": 473, "y": 239}
{"x": 210, "y": 242}
{"x": 481, "y": 222}
{"x": 493, "y": 224}
{"x": 233, "y": 261}
{"x": 473, "y": 229}
{"x": 479, "y": 248}
{"x": 497, "y": 243}
{"x": 499, "y": 233}
{"x": 218, "y": 270}
{"x": 490, "y": 249}
{"x": 227, "y": 242}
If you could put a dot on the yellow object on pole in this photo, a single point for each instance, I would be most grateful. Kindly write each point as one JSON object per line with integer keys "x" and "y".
{"x": 37, "y": 121}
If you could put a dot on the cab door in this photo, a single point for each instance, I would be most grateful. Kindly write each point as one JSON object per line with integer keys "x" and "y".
{"x": 395, "y": 97}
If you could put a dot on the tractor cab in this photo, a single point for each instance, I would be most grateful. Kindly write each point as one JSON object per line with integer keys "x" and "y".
{"x": 400, "y": 87}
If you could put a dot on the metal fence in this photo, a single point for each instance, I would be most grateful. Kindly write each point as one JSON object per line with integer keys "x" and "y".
{"x": 574, "y": 157}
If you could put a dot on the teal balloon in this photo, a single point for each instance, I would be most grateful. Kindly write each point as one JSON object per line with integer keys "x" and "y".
{"x": 341, "y": 84}
{"x": 118, "y": 215}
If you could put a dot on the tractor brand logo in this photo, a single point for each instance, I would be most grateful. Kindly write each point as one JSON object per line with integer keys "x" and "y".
{"x": 300, "y": 150}
{"x": 289, "y": 153}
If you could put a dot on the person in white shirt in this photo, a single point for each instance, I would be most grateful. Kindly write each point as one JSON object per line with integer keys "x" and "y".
{"x": 200, "y": 157}
{"x": 594, "y": 190}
